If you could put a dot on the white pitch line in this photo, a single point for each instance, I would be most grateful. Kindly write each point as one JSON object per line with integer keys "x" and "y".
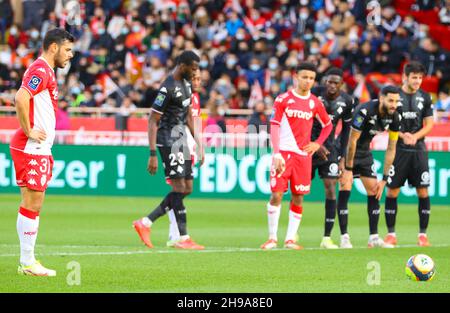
{"x": 210, "y": 250}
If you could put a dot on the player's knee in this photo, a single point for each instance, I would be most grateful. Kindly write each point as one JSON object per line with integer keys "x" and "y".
{"x": 422, "y": 192}
{"x": 275, "y": 199}
{"x": 188, "y": 190}
{"x": 330, "y": 190}
{"x": 392, "y": 192}
{"x": 178, "y": 186}
{"x": 297, "y": 200}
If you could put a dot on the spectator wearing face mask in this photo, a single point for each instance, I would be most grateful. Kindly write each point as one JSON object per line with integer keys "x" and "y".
{"x": 255, "y": 72}
{"x": 233, "y": 23}
{"x": 231, "y": 67}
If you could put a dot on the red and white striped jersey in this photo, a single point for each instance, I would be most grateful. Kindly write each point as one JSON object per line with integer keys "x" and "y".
{"x": 295, "y": 114}
{"x": 39, "y": 81}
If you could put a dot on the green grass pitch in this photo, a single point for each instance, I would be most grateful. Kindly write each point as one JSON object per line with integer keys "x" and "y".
{"x": 96, "y": 233}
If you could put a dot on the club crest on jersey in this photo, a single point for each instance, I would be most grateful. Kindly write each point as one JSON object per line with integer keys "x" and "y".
{"x": 311, "y": 104}
{"x": 34, "y": 82}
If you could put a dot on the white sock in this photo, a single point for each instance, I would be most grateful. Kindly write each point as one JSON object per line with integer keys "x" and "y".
{"x": 294, "y": 223}
{"x": 273, "y": 215}
{"x": 174, "y": 233}
{"x": 373, "y": 237}
{"x": 147, "y": 222}
{"x": 392, "y": 234}
{"x": 27, "y": 229}
{"x": 185, "y": 237}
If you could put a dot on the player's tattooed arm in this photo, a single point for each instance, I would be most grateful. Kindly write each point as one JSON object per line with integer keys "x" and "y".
{"x": 153, "y": 121}
{"x": 388, "y": 160}
{"x": 22, "y": 102}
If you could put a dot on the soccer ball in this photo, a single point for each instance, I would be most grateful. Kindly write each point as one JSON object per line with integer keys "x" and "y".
{"x": 420, "y": 267}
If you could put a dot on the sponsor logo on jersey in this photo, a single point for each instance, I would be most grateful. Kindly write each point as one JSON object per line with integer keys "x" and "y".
{"x": 409, "y": 115}
{"x": 302, "y": 187}
{"x": 34, "y": 82}
{"x": 298, "y": 114}
{"x": 339, "y": 110}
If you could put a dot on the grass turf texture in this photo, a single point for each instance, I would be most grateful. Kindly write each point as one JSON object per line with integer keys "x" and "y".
{"x": 96, "y": 232}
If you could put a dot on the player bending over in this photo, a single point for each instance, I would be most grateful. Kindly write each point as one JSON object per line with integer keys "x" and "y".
{"x": 371, "y": 118}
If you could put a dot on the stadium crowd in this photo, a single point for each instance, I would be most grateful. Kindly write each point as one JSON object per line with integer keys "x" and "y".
{"x": 248, "y": 48}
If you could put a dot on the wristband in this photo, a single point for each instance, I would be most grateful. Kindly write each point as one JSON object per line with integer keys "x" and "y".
{"x": 385, "y": 177}
{"x": 348, "y": 168}
{"x": 152, "y": 152}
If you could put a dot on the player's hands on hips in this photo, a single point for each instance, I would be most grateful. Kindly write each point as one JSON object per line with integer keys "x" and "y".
{"x": 152, "y": 166}
{"x": 323, "y": 152}
{"x": 311, "y": 147}
{"x": 380, "y": 189}
{"x": 37, "y": 135}
{"x": 278, "y": 164}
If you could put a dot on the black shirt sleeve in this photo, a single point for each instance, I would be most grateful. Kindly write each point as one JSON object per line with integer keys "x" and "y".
{"x": 360, "y": 117}
{"x": 428, "y": 106}
{"x": 162, "y": 100}
{"x": 395, "y": 125}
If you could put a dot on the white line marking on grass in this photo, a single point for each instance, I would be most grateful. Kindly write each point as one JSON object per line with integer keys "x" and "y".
{"x": 208, "y": 250}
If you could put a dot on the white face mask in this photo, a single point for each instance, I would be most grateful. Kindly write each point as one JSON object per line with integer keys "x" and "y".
{"x": 273, "y": 66}
{"x": 304, "y": 15}
{"x": 136, "y": 29}
{"x": 34, "y": 34}
{"x": 254, "y": 67}
{"x": 13, "y": 31}
{"x": 231, "y": 62}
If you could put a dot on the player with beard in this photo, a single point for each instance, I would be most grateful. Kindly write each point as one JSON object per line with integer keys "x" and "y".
{"x": 370, "y": 119}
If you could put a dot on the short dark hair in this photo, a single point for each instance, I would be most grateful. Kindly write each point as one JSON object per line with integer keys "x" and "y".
{"x": 308, "y": 66}
{"x": 335, "y": 71}
{"x": 413, "y": 67}
{"x": 389, "y": 89}
{"x": 58, "y": 36}
{"x": 187, "y": 57}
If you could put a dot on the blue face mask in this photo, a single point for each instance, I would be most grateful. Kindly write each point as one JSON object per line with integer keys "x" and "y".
{"x": 101, "y": 31}
{"x": 203, "y": 64}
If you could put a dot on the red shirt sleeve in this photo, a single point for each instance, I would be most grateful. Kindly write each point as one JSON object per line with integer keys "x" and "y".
{"x": 278, "y": 110}
{"x": 35, "y": 80}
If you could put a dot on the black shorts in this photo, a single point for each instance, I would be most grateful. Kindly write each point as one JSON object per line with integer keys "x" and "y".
{"x": 409, "y": 165}
{"x": 326, "y": 169}
{"x": 177, "y": 162}
{"x": 363, "y": 165}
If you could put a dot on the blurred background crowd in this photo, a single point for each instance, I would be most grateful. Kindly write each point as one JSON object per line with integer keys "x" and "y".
{"x": 248, "y": 48}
